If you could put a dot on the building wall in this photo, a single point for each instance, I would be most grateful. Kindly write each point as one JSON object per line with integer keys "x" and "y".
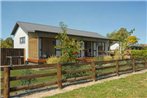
{"x": 20, "y": 33}
{"x": 48, "y": 46}
{"x": 33, "y": 47}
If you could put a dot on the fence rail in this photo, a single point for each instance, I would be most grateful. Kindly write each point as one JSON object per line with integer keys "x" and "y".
{"x": 97, "y": 70}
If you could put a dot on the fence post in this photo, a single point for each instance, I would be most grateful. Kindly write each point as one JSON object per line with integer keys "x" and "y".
{"x": 59, "y": 75}
{"x": 93, "y": 71}
{"x": 6, "y": 91}
{"x": 145, "y": 63}
{"x": 117, "y": 68}
{"x": 133, "y": 64}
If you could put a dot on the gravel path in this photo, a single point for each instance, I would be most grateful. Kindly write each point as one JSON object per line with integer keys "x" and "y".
{"x": 72, "y": 87}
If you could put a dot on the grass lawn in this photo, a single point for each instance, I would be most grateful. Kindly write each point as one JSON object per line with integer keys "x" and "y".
{"x": 134, "y": 86}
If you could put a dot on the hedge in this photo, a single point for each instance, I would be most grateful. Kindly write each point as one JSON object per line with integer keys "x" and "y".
{"x": 139, "y": 53}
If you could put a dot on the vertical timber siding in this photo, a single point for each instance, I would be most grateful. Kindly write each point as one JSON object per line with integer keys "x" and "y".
{"x": 12, "y": 52}
{"x": 33, "y": 47}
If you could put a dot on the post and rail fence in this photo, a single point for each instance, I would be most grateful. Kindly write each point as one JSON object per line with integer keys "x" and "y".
{"x": 117, "y": 65}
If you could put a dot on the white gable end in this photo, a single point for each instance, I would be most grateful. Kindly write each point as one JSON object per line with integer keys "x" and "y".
{"x": 21, "y": 40}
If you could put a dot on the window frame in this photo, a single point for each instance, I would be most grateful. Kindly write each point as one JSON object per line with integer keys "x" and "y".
{"x": 22, "y": 40}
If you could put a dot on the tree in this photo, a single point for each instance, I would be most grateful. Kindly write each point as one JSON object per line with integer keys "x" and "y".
{"x": 132, "y": 40}
{"x": 122, "y": 36}
{"x": 7, "y": 43}
{"x": 69, "y": 47}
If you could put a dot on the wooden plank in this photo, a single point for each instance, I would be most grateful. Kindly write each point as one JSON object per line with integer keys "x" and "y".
{"x": 2, "y": 79}
{"x": 111, "y": 61}
{"x": 105, "y": 67}
{"x": 59, "y": 76}
{"x": 76, "y": 64}
{"x": 76, "y": 71}
{"x": 77, "y": 79}
{"x": 6, "y": 82}
{"x": 33, "y": 66}
{"x": 133, "y": 65}
{"x": 139, "y": 63}
{"x": 34, "y": 86}
{"x": 32, "y": 76}
{"x": 108, "y": 73}
{"x": 117, "y": 68}
{"x": 35, "y": 60}
{"x": 130, "y": 69}
{"x": 2, "y": 91}
{"x": 145, "y": 62}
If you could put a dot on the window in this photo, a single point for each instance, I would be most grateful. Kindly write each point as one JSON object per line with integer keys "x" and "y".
{"x": 22, "y": 40}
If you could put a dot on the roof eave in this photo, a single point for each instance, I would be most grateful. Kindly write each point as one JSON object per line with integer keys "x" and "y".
{"x": 73, "y": 35}
{"x": 14, "y": 29}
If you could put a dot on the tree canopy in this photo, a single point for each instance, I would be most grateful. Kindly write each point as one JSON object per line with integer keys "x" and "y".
{"x": 6, "y": 43}
{"x": 124, "y": 37}
{"x": 132, "y": 40}
{"x": 69, "y": 47}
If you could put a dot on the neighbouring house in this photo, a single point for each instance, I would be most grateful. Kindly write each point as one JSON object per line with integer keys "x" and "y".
{"x": 114, "y": 46}
{"x": 39, "y": 40}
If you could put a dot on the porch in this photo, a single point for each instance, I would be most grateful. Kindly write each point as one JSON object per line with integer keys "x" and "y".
{"x": 42, "y": 47}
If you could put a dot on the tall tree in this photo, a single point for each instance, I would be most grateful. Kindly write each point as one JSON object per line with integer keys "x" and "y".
{"x": 69, "y": 46}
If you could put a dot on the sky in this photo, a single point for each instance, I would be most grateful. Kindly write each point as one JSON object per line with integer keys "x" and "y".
{"x": 95, "y": 16}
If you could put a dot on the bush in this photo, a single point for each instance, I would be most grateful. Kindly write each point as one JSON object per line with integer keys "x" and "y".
{"x": 107, "y": 58}
{"x": 53, "y": 60}
{"x": 72, "y": 68}
{"x": 103, "y": 58}
{"x": 139, "y": 53}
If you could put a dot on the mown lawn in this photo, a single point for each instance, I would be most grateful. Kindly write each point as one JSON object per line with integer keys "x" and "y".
{"x": 134, "y": 86}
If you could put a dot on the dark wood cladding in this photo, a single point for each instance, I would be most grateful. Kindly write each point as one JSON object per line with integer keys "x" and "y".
{"x": 15, "y": 53}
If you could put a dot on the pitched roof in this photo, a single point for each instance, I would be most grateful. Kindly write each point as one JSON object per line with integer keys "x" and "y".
{"x": 32, "y": 27}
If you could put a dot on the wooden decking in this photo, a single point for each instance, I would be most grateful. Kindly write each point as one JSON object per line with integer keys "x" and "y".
{"x": 35, "y": 60}
{"x": 40, "y": 61}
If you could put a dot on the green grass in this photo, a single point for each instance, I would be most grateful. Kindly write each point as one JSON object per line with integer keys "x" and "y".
{"x": 134, "y": 86}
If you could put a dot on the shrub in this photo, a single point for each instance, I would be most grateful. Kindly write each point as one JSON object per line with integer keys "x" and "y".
{"x": 72, "y": 68}
{"x": 107, "y": 58}
{"x": 117, "y": 57}
{"x": 99, "y": 58}
{"x": 53, "y": 60}
{"x": 139, "y": 53}
{"x": 103, "y": 58}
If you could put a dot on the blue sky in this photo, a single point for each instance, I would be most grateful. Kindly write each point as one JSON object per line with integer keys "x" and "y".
{"x": 96, "y": 16}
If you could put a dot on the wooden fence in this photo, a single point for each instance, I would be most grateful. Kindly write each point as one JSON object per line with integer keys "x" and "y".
{"x": 12, "y": 55}
{"x": 97, "y": 69}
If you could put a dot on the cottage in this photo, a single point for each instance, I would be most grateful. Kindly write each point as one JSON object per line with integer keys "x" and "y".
{"x": 39, "y": 40}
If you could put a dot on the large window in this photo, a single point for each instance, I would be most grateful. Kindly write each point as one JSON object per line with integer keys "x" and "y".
{"x": 22, "y": 40}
